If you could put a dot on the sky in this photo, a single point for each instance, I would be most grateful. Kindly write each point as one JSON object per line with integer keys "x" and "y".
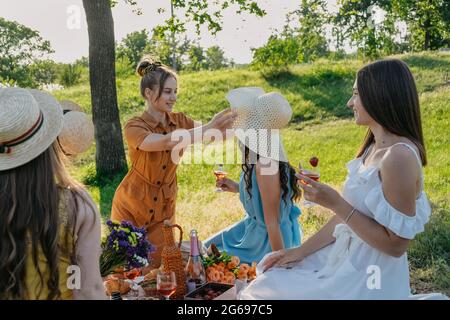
{"x": 63, "y": 23}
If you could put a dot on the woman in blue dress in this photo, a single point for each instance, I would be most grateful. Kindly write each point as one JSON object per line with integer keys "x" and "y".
{"x": 267, "y": 185}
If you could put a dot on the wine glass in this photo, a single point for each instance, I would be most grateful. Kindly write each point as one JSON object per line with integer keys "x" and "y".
{"x": 166, "y": 283}
{"x": 220, "y": 174}
{"x": 310, "y": 169}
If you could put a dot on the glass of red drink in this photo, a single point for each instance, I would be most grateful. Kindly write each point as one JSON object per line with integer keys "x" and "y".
{"x": 310, "y": 169}
{"x": 166, "y": 283}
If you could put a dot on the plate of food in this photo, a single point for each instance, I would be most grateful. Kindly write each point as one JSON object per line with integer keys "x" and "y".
{"x": 221, "y": 267}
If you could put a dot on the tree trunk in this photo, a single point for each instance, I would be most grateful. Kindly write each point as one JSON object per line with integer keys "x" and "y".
{"x": 174, "y": 63}
{"x": 110, "y": 153}
{"x": 427, "y": 27}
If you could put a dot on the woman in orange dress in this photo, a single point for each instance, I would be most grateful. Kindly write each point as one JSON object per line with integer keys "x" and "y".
{"x": 146, "y": 196}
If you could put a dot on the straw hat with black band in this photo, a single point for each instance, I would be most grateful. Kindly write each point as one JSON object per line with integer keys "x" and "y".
{"x": 30, "y": 121}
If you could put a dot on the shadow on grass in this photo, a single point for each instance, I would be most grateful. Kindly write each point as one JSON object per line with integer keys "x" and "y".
{"x": 327, "y": 90}
{"x": 107, "y": 187}
{"x": 429, "y": 72}
{"x": 426, "y": 62}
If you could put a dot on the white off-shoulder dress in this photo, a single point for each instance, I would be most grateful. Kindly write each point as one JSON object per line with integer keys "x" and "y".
{"x": 349, "y": 268}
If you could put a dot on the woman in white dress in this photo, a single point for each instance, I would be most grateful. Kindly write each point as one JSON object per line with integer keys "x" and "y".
{"x": 361, "y": 252}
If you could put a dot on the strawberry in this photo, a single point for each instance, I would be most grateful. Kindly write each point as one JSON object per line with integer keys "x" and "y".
{"x": 314, "y": 161}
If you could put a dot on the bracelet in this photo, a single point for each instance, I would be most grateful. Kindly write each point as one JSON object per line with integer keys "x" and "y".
{"x": 349, "y": 215}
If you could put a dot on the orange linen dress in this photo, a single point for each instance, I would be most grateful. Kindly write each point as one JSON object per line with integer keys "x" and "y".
{"x": 146, "y": 196}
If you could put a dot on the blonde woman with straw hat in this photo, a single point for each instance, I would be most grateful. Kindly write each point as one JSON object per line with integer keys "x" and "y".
{"x": 267, "y": 186}
{"x": 48, "y": 222}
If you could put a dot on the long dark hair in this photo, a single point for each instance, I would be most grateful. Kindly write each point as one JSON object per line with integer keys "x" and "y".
{"x": 154, "y": 75}
{"x": 287, "y": 176}
{"x": 29, "y": 213}
{"x": 389, "y": 95}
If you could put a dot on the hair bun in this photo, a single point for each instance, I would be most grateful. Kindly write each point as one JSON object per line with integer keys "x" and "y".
{"x": 147, "y": 65}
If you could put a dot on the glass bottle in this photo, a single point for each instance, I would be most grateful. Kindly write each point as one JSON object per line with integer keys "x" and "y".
{"x": 195, "y": 272}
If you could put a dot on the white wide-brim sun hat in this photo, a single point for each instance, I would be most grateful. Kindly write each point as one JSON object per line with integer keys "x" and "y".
{"x": 30, "y": 121}
{"x": 77, "y": 133}
{"x": 260, "y": 116}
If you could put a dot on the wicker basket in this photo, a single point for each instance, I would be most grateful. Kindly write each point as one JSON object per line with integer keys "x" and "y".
{"x": 172, "y": 259}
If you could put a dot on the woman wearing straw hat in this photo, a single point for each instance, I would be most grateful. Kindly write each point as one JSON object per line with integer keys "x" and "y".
{"x": 267, "y": 184}
{"x": 361, "y": 252}
{"x": 77, "y": 133}
{"x": 48, "y": 222}
{"x": 146, "y": 196}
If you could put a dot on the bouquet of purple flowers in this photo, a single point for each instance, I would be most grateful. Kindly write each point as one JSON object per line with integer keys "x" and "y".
{"x": 124, "y": 246}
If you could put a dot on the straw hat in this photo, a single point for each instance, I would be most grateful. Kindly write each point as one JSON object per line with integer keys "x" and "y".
{"x": 260, "y": 116}
{"x": 77, "y": 133}
{"x": 30, "y": 121}
{"x": 68, "y": 105}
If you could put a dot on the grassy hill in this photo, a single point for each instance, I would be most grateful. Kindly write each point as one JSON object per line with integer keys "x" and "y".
{"x": 322, "y": 125}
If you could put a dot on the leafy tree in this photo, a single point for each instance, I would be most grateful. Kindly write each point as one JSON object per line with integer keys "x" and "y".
{"x": 428, "y": 22}
{"x": 20, "y": 46}
{"x": 356, "y": 19}
{"x": 44, "y": 71}
{"x": 215, "y": 58}
{"x": 279, "y": 52}
{"x": 294, "y": 45}
{"x": 133, "y": 46}
{"x": 71, "y": 74}
{"x": 196, "y": 58}
{"x": 204, "y": 12}
{"x": 188, "y": 55}
{"x": 312, "y": 18}
{"x": 110, "y": 155}
{"x": 82, "y": 62}
{"x": 165, "y": 48}
{"x": 201, "y": 12}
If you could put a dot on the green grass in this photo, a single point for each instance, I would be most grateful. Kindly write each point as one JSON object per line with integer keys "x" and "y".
{"x": 322, "y": 125}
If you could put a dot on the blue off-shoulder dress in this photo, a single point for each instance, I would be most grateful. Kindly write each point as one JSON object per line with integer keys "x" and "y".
{"x": 248, "y": 239}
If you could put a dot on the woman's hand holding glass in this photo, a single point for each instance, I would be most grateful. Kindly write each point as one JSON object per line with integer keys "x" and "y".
{"x": 319, "y": 193}
{"x": 227, "y": 184}
{"x": 310, "y": 169}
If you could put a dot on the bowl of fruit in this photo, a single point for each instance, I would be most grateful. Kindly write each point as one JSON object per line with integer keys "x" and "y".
{"x": 220, "y": 267}
{"x": 213, "y": 291}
